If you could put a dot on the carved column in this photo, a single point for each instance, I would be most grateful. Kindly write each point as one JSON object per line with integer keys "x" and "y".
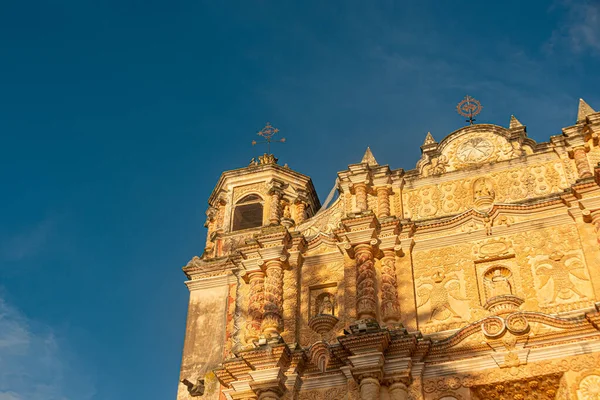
{"x": 300, "y": 212}
{"x": 272, "y": 323}
{"x": 256, "y": 300}
{"x": 398, "y": 390}
{"x": 390, "y": 307}
{"x": 366, "y": 299}
{"x": 581, "y": 162}
{"x": 383, "y": 202}
{"x": 369, "y": 388}
{"x": 360, "y": 189}
{"x": 275, "y": 214}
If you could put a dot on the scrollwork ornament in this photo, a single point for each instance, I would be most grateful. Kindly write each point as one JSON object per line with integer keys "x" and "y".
{"x": 493, "y": 327}
{"x": 517, "y": 323}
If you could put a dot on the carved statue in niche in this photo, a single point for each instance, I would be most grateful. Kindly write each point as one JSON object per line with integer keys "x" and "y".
{"x": 287, "y": 213}
{"x": 483, "y": 192}
{"x": 497, "y": 282}
{"x": 559, "y": 269}
{"x": 324, "y": 304}
{"x": 441, "y": 289}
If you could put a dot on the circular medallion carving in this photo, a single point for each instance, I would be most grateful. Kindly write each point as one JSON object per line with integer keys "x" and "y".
{"x": 475, "y": 150}
{"x": 589, "y": 388}
{"x": 493, "y": 327}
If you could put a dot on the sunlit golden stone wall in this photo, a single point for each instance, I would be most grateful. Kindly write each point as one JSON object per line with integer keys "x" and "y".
{"x": 545, "y": 266}
{"x": 456, "y": 192}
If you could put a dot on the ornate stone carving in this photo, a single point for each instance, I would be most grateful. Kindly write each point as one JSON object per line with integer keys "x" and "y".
{"x": 383, "y": 202}
{"x": 581, "y": 162}
{"x": 589, "y": 388}
{"x": 360, "y": 189}
{"x": 366, "y": 303}
{"x": 272, "y": 323}
{"x": 483, "y": 193}
{"x": 255, "y": 305}
{"x": 390, "y": 307}
{"x": 559, "y": 269}
{"x": 438, "y": 290}
{"x": 539, "y": 388}
{"x": 275, "y": 213}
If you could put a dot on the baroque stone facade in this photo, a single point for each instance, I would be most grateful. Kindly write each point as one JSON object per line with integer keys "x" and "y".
{"x": 475, "y": 275}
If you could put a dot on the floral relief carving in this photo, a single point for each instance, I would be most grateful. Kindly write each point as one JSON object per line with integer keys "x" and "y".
{"x": 457, "y": 196}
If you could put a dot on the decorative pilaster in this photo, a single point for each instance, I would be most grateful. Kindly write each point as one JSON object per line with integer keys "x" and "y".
{"x": 383, "y": 202}
{"x": 366, "y": 299}
{"x": 272, "y": 323}
{"x": 390, "y": 307}
{"x": 257, "y": 294}
{"x": 581, "y": 162}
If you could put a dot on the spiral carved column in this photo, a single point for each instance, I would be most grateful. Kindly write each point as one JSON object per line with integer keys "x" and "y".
{"x": 369, "y": 388}
{"x": 366, "y": 301}
{"x": 383, "y": 202}
{"x": 361, "y": 196}
{"x": 255, "y": 306}
{"x": 272, "y": 322}
{"x": 275, "y": 214}
{"x": 390, "y": 307}
{"x": 300, "y": 212}
{"x": 581, "y": 162}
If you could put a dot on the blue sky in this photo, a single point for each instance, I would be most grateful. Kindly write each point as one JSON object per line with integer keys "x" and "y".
{"x": 117, "y": 118}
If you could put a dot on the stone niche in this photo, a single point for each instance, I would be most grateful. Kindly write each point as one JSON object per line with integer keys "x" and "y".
{"x": 322, "y": 299}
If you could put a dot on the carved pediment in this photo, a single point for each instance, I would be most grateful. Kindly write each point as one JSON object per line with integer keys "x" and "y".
{"x": 471, "y": 147}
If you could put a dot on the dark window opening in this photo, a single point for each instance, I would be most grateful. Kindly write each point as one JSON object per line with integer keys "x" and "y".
{"x": 248, "y": 213}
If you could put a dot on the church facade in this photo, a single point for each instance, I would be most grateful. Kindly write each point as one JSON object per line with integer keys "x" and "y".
{"x": 475, "y": 275}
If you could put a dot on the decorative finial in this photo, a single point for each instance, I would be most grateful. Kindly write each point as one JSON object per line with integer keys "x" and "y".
{"x": 268, "y": 132}
{"x": 429, "y": 139}
{"x": 584, "y": 110}
{"x": 514, "y": 123}
{"x": 369, "y": 158}
{"x": 469, "y": 107}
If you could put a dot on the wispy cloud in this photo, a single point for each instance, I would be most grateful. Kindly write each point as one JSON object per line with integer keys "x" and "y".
{"x": 579, "y": 29}
{"x": 33, "y": 366}
{"x": 28, "y": 242}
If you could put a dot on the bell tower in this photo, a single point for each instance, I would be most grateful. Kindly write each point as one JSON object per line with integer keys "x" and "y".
{"x": 249, "y": 244}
